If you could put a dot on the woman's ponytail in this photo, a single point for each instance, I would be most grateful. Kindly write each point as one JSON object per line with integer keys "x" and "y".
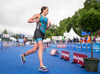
{"x": 43, "y": 8}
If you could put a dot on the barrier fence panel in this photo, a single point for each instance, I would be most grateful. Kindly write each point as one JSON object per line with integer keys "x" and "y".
{"x": 78, "y": 58}
{"x": 0, "y": 46}
{"x": 65, "y": 55}
{"x": 84, "y": 47}
{"x": 96, "y": 47}
{"x": 9, "y": 44}
{"x": 68, "y": 46}
{"x": 88, "y": 47}
{"x": 64, "y": 46}
{"x": 74, "y": 46}
{"x": 79, "y": 47}
{"x": 71, "y": 46}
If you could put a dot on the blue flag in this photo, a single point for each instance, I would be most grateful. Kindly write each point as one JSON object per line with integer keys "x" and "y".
{"x": 84, "y": 33}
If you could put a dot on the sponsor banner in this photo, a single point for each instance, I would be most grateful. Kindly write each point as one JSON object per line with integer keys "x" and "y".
{"x": 65, "y": 55}
{"x": 0, "y": 44}
{"x": 96, "y": 47}
{"x": 83, "y": 47}
{"x": 6, "y": 44}
{"x": 53, "y": 45}
{"x": 61, "y": 45}
{"x": 21, "y": 40}
{"x": 79, "y": 47}
{"x": 64, "y": 46}
{"x": 78, "y": 58}
{"x": 54, "y": 37}
{"x": 68, "y": 46}
{"x": 88, "y": 47}
{"x": 5, "y": 35}
{"x": 46, "y": 46}
{"x": 54, "y": 52}
{"x": 73, "y": 46}
{"x": 58, "y": 45}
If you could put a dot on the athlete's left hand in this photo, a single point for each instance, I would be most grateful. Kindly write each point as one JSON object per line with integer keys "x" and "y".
{"x": 49, "y": 23}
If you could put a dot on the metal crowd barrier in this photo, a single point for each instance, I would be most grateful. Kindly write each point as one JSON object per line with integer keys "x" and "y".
{"x": 78, "y": 46}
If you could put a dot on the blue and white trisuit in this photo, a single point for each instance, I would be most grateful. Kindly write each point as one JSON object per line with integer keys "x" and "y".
{"x": 40, "y": 29}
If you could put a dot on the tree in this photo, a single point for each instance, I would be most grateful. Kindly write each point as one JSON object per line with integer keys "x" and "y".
{"x": 89, "y": 4}
{"x": 65, "y": 24}
{"x": 90, "y": 22}
{"x": 0, "y": 35}
{"x": 72, "y": 22}
{"x": 51, "y": 31}
{"x": 17, "y": 36}
{"x": 5, "y": 32}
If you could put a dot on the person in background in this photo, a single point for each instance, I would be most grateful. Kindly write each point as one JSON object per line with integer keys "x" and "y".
{"x": 85, "y": 39}
{"x": 94, "y": 39}
{"x": 61, "y": 41}
{"x": 98, "y": 39}
{"x": 81, "y": 40}
{"x": 24, "y": 42}
{"x": 74, "y": 40}
{"x": 17, "y": 42}
{"x": 77, "y": 40}
{"x": 66, "y": 40}
{"x": 89, "y": 39}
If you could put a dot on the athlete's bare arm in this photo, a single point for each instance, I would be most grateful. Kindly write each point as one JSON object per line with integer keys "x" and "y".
{"x": 35, "y": 18}
{"x": 48, "y": 25}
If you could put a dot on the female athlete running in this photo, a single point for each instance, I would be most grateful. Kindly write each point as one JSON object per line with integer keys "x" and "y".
{"x": 42, "y": 25}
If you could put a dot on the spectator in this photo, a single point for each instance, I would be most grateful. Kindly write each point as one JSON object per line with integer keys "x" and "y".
{"x": 61, "y": 41}
{"x": 77, "y": 40}
{"x": 17, "y": 42}
{"x": 98, "y": 39}
{"x": 89, "y": 39}
{"x": 74, "y": 40}
{"x": 94, "y": 39}
{"x": 24, "y": 42}
{"x": 70, "y": 40}
{"x": 85, "y": 39}
{"x": 58, "y": 41}
{"x": 66, "y": 40}
{"x": 81, "y": 40}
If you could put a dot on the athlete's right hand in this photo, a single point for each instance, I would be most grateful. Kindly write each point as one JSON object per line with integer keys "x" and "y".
{"x": 37, "y": 20}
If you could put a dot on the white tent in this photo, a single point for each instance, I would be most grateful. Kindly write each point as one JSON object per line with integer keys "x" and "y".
{"x": 13, "y": 39}
{"x": 71, "y": 34}
{"x": 47, "y": 40}
{"x": 66, "y": 34}
{"x": 57, "y": 37}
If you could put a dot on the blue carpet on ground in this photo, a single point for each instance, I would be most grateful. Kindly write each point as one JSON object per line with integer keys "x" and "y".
{"x": 10, "y": 62}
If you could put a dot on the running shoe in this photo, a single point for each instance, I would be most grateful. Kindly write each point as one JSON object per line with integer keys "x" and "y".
{"x": 22, "y": 59}
{"x": 43, "y": 69}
